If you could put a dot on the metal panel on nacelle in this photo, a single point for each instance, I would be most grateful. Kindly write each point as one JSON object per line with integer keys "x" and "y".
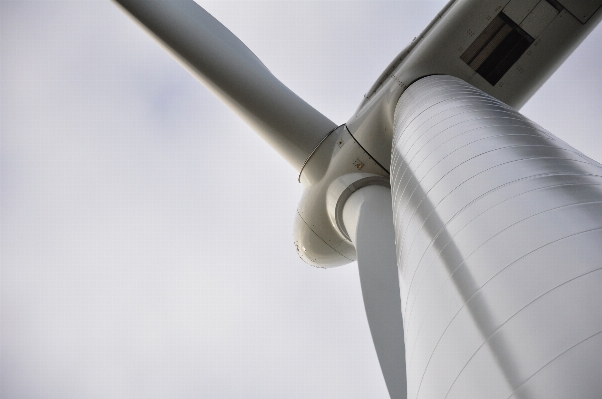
{"x": 582, "y": 9}
{"x": 539, "y": 18}
{"x": 498, "y": 225}
{"x": 517, "y": 10}
{"x": 438, "y": 51}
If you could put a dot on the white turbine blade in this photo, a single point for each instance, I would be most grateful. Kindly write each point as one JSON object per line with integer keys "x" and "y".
{"x": 499, "y": 238}
{"x": 228, "y": 68}
{"x": 369, "y": 221}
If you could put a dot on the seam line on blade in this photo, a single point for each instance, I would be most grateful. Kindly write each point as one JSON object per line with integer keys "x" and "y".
{"x": 362, "y": 147}
{"x": 314, "y": 150}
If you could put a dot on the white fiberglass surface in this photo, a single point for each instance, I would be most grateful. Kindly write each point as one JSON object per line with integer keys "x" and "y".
{"x": 144, "y": 253}
{"x": 497, "y": 249}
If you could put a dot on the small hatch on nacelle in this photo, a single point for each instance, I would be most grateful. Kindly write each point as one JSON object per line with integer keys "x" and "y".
{"x": 497, "y": 48}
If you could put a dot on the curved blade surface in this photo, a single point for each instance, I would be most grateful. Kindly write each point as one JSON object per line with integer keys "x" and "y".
{"x": 228, "y": 68}
{"x": 368, "y": 218}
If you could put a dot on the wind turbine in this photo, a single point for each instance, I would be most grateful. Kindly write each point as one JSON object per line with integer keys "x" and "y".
{"x": 482, "y": 203}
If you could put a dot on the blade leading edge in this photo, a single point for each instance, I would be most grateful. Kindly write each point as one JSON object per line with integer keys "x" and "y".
{"x": 368, "y": 218}
{"x": 233, "y": 73}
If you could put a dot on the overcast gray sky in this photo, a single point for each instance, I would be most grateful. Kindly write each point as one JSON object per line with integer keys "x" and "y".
{"x": 146, "y": 233}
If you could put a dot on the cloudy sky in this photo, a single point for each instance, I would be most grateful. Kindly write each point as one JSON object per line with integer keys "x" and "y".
{"x": 146, "y": 233}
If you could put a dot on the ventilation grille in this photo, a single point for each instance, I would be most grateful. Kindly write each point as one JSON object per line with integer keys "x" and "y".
{"x": 497, "y": 48}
